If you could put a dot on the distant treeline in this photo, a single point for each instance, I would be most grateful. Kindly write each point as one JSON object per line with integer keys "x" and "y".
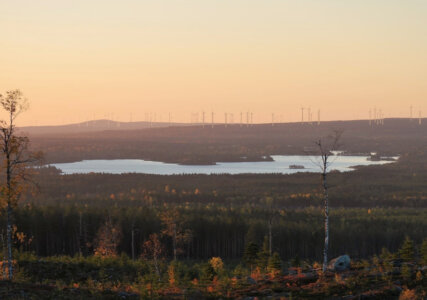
{"x": 207, "y": 145}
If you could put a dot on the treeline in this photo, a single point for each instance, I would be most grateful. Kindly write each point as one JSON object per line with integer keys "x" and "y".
{"x": 400, "y": 184}
{"x": 210, "y": 231}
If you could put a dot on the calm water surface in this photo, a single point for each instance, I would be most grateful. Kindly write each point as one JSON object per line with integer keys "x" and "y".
{"x": 280, "y": 164}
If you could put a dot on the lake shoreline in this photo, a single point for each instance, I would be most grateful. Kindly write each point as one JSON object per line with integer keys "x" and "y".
{"x": 280, "y": 164}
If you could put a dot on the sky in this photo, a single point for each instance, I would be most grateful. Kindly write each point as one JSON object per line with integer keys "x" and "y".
{"x": 124, "y": 60}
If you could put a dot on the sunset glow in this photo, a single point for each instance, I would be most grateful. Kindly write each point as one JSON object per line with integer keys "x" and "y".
{"x": 80, "y": 60}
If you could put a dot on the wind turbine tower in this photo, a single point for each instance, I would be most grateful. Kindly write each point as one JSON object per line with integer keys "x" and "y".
{"x": 370, "y": 117}
{"x": 375, "y": 115}
{"x": 302, "y": 115}
{"x": 213, "y": 119}
{"x": 318, "y": 117}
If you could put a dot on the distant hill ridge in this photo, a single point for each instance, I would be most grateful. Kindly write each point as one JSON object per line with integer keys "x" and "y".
{"x": 96, "y": 125}
{"x": 398, "y": 124}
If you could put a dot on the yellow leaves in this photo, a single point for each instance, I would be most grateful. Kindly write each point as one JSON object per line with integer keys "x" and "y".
{"x": 419, "y": 276}
{"x": 273, "y": 274}
{"x": 317, "y": 265}
{"x": 171, "y": 275}
{"x": 108, "y": 238}
{"x": 408, "y": 295}
{"x": 301, "y": 195}
{"x": 152, "y": 248}
{"x": 20, "y": 236}
{"x": 217, "y": 264}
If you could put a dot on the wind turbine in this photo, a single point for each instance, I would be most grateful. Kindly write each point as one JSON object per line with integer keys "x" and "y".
{"x": 302, "y": 115}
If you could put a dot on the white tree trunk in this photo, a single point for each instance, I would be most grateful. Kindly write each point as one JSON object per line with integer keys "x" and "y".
{"x": 326, "y": 214}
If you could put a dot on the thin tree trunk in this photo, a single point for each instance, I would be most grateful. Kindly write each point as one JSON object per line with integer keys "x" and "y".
{"x": 174, "y": 241}
{"x": 80, "y": 235}
{"x": 133, "y": 243}
{"x": 9, "y": 241}
{"x": 4, "y": 250}
{"x": 270, "y": 236}
{"x": 9, "y": 209}
{"x": 326, "y": 199}
{"x": 156, "y": 266}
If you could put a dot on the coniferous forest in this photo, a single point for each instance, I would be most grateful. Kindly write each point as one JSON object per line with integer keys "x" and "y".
{"x": 140, "y": 236}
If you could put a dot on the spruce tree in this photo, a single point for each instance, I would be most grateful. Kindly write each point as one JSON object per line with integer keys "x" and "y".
{"x": 250, "y": 255}
{"x": 407, "y": 251}
{"x": 275, "y": 263}
{"x": 264, "y": 255}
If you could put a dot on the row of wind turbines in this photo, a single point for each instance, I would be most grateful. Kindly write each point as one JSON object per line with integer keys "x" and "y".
{"x": 203, "y": 118}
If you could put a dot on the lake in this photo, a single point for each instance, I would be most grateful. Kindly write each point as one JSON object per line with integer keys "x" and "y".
{"x": 280, "y": 164}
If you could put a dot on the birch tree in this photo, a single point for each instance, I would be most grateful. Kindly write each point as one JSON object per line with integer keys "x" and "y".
{"x": 16, "y": 159}
{"x": 325, "y": 147}
{"x": 153, "y": 249}
{"x": 172, "y": 222}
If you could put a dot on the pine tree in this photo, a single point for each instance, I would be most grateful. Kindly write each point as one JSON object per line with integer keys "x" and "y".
{"x": 407, "y": 251}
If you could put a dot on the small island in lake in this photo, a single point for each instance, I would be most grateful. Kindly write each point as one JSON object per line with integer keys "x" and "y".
{"x": 296, "y": 167}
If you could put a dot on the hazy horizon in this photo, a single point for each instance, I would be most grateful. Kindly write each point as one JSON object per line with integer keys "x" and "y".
{"x": 208, "y": 122}
{"x": 77, "y": 61}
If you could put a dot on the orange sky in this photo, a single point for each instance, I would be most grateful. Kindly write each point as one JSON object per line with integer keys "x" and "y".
{"x": 76, "y": 60}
